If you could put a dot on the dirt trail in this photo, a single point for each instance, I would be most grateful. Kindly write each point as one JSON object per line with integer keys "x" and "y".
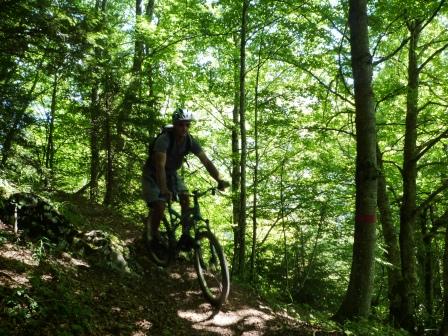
{"x": 66, "y": 295}
{"x": 155, "y": 302}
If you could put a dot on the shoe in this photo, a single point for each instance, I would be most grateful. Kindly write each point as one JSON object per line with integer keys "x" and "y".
{"x": 186, "y": 242}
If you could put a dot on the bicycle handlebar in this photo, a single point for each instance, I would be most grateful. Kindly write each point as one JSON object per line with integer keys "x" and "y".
{"x": 198, "y": 194}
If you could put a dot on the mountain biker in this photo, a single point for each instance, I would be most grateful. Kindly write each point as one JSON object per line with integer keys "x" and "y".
{"x": 160, "y": 178}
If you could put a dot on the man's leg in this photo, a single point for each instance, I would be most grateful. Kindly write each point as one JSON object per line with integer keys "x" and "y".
{"x": 157, "y": 210}
{"x": 184, "y": 201}
{"x": 151, "y": 194}
{"x": 186, "y": 242}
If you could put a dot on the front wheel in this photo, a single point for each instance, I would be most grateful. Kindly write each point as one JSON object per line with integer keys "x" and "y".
{"x": 211, "y": 267}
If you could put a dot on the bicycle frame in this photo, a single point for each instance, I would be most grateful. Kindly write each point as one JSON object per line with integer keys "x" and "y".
{"x": 197, "y": 222}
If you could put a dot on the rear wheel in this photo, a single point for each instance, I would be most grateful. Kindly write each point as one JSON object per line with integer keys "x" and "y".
{"x": 162, "y": 254}
{"x": 211, "y": 267}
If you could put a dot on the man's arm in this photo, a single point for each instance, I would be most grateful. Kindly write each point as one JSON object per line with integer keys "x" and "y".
{"x": 209, "y": 166}
{"x": 159, "y": 163}
{"x": 212, "y": 170}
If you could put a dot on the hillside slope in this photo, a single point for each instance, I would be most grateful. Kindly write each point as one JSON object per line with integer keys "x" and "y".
{"x": 48, "y": 291}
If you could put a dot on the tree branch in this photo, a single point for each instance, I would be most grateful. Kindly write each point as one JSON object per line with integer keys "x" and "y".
{"x": 429, "y": 59}
{"x": 437, "y": 224}
{"x": 433, "y": 195}
{"x": 434, "y": 14}
{"x": 424, "y": 148}
{"x": 431, "y": 103}
{"x": 321, "y": 82}
{"x": 393, "y": 53}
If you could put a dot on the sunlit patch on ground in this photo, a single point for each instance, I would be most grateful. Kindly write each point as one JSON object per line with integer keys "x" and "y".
{"x": 144, "y": 324}
{"x": 46, "y": 277}
{"x": 14, "y": 263}
{"x": 223, "y": 323}
{"x": 175, "y": 276}
{"x": 193, "y": 292}
{"x": 12, "y": 279}
{"x": 14, "y": 252}
{"x": 214, "y": 329}
{"x": 70, "y": 262}
{"x": 187, "y": 274}
{"x": 143, "y": 328}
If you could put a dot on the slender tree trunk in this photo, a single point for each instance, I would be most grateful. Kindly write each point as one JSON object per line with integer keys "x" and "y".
{"x": 427, "y": 257}
{"x": 151, "y": 68}
{"x": 444, "y": 326}
{"x": 236, "y": 171}
{"x": 308, "y": 264}
{"x": 390, "y": 235}
{"x": 138, "y": 45}
{"x": 255, "y": 180}
{"x": 94, "y": 143}
{"x": 406, "y": 318}
{"x": 285, "y": 242}
{"x": 149, "y": 11}
{"x": 49, "y": 153}
{"x": 132, "y": 96}
{"x": 96, "y": 119}
{"x": 109, "y": 197}
{"x": 242, "y": 107}
{"x": 358, "y": 297}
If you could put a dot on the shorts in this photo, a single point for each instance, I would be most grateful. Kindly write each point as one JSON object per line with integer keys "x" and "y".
{"x": 151, "y": 191}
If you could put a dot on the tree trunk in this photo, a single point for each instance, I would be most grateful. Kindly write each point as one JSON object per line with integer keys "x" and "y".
{"x": 138, "y": 45}
{"x": 132, "y": 95}
{"x": 96, "y": 118}
{"x": 358, "y": 297}
{"x": 285, "y": 241}
{"x": 390, "y": 235}
{"x": 427, "y": 262}
{"x": 236, "y": 172}
{"x": 406, "y": 317}
{"x": 94, "y": 145}
{"x": 255, "y": 179}
{"x": 444, "y": 327}
{"x": 109, "y": 197}
{"x": 242, "y": 107}
{"x": 49, "y": 153}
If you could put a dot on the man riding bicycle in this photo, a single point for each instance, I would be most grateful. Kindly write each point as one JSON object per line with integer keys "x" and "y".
{"x": 160, "y": 178}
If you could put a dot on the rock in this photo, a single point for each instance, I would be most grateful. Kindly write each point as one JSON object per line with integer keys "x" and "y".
{"x": 36, "y": 218}
{"x": 104, "y": 248}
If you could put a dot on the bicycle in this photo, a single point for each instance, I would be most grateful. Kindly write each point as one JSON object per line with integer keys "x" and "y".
{"x": 209, "y": 259}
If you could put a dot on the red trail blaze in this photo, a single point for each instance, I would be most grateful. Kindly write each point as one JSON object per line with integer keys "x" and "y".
{"x": 367, "y": 219}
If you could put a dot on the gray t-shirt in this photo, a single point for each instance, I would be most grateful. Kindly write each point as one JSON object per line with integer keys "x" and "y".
{"x": 176, "y": 154}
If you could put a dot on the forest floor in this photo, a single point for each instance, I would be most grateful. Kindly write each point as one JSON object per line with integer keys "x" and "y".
{"x": 45, "y": 292}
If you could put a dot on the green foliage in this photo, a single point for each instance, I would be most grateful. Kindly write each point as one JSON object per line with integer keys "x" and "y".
{"x": 48, "y": 302}
{"x": 82, "y": 62}
{"x": 369, "y": 327}
{"x": 42, "y": 248}
{"x": 21, "y": 306}
{"x": 65, "y": 305}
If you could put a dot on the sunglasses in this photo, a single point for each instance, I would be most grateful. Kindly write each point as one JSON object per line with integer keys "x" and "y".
{"x": 183, "y": 124}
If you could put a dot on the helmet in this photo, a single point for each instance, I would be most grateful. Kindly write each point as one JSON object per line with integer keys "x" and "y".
{"x": 182, "y": 115}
